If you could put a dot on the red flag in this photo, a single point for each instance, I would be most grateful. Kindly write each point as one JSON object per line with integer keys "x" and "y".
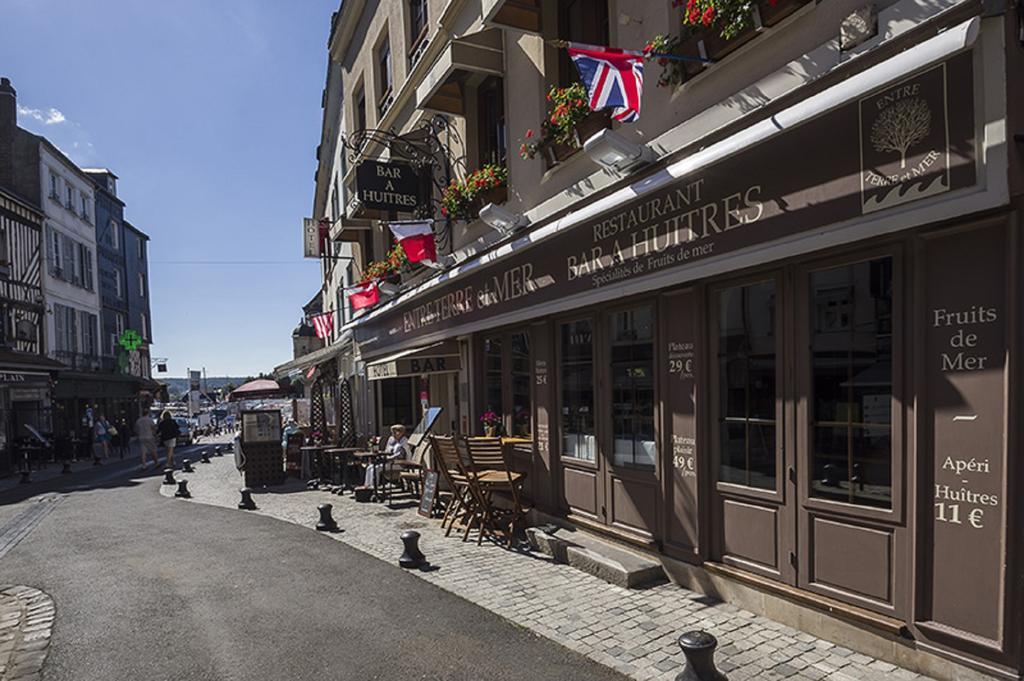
{"x": 323, "y": 324}
{"x": 364, "y": 295}
{"x": 417, "y": 239}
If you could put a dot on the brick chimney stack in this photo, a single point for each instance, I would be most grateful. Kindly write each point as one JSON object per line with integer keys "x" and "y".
{"x": 8, "y": 126}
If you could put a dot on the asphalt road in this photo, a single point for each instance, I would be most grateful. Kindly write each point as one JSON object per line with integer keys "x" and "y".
{"x": 153, "y": 588}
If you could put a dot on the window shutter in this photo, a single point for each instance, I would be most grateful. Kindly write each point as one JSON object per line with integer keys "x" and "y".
{"x": 51, "y": 264}
{"x": 58, "y": 325}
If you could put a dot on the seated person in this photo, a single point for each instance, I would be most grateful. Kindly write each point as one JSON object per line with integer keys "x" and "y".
{"x": 396, "y": 448}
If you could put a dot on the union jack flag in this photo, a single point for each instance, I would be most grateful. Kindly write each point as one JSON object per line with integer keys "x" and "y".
{"x": 614, "y": 78}
{"x": 323, "y": 324}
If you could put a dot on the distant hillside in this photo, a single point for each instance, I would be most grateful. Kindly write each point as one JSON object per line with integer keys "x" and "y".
{"x": 179, "y": 386}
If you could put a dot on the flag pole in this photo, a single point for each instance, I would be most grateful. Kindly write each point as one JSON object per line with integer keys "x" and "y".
{"x": 562, "y": 44}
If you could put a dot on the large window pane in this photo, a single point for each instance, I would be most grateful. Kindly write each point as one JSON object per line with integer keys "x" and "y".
{"x": 493, "y": 372}
{"x": 521, "y": 402}
{"x": 851, "y": 367}
{"x": 632, "y": 373}
{"x": 746, "y": 384}
{"x": 577, "y": 390}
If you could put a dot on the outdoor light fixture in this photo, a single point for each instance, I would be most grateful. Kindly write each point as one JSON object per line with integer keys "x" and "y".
{"x": 388, "y": 289}
{"x": 613, "y": 151}
{"x": 442, "y": 262}
{"x": 502, "y": 219}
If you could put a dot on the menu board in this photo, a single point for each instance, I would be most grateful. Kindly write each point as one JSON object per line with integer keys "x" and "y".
{"x": 261, "y": 426}
{"x": 429, "y": 494}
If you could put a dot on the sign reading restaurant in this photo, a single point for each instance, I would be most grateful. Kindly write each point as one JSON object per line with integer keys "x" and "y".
{"x": 910, "y": 140}
{"x": 388, "y": 186}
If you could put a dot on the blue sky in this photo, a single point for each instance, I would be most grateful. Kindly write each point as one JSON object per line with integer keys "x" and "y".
{"x": 209, "y": 112}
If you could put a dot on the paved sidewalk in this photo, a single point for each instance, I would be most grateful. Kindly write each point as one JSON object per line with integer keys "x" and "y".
{"x": 634, "y": 632}
{"x": 26, "y": 623}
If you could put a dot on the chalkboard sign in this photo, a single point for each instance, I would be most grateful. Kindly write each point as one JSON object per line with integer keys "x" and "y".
{"x": 429, "y": 494}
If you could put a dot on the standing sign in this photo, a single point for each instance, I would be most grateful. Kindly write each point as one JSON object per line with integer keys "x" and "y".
{"x": 429, "y": 494}
{"x": 388, "y": 186}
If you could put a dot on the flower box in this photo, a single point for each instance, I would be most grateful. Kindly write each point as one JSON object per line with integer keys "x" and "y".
{"x": 691, "y": 48}
{"x": 495, "y": 195}
{"x": 556, "y": 152}
{"x": 773, "y": 13}
{"x": 716, "y": 47}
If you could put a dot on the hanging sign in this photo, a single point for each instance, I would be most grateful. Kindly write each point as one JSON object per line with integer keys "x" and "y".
{"x": 388, "y": 186}
{"x": 130, "y": 340}
{"x": 310, "y": 238}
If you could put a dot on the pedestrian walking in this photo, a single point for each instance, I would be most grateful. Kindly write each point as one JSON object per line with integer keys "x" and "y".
{"x": 168, "y": 431}
{"x": 101, "y": 435}
{"x": 145, "y": 429}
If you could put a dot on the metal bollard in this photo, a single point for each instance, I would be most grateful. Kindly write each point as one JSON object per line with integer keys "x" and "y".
{"x": 218, "y": 451}
{"x": 246, "y": 504}
{"x": 326, "y": 522}
{"x": 26, "y": 477}
{"x": 183, "y": 490}
{"x": 65, "y": 468}
{"x": 169, "y": 477}
{"x": 699, "y": 650}
{"x": 411, "y": 556}
{"x": 204, "y": 457}
{"x": 186, "y": 466}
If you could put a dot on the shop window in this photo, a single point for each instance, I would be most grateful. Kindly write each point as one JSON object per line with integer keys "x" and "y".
{"x": 397, "y": 403}
{"x": 631, "y": 334}
{"x": 851, "y": 368}
{"x": 491, "y": 121}
{"x": 576, "y": 385}
{"x": 507, "y": 381}
{"x": 519, "y": 354}
{"x": 580, "y": 21}
{"x": 746, "y": 385}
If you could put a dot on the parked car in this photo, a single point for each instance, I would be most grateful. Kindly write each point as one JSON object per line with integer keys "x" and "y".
{"x": 185, "y": 437}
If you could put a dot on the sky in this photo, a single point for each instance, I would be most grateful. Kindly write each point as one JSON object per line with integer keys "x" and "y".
{"x": 209, "y": 113}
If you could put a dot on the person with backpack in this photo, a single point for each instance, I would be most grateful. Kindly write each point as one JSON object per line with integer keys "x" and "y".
{"x": 168, "y": 432}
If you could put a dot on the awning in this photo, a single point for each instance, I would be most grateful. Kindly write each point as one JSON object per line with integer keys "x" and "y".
{"x": 298, "y": 366}
{"x": 477, "y": 53}
{"x": 523, "y": 15}
{"x": 439, "y": 358}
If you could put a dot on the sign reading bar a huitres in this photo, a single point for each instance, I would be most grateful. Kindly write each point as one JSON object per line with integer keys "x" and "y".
{"x": 387, "y": 186}
{"x": 910, "y": 140}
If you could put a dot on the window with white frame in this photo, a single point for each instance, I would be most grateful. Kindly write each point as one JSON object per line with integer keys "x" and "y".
{"x": 88, "y": 323}
{"x": 118, "y": 291}
{"x": 53, "y": 253}
{"x": 69, "y": 196}
{"x": 143, "y": 325}
{"x": 85, "y": 258}
{"x": 115, "y": 240}
{"x": 142, "y": 249}
{"x": 54, "y": 186}
{"x": 119, "y": 323}
{"x": 85, "y": 207}
{"x": 142, "y": 285}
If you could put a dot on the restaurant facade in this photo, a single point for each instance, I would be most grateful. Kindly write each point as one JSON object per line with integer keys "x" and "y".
{"x": 779, "y": 355}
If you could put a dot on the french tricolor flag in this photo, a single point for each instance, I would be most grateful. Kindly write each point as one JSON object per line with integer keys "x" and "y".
{"x": 364, "y": 295}
{"x": 417, "y": 239}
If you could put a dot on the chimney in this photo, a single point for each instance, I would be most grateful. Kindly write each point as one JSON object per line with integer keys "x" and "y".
{"x": 8, "y": 126}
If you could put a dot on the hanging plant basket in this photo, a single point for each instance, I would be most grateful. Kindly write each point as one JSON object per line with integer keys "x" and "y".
{"x": 773, "y": 13}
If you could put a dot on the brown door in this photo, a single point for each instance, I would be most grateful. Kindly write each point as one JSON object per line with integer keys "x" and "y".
{"x": 755, "y": 528}
{"x": 607, "y": 387}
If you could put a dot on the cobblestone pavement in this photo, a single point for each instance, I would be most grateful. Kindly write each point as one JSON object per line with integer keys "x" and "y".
{"x": 632, "y": 631}
{"x": 26, "y": 622}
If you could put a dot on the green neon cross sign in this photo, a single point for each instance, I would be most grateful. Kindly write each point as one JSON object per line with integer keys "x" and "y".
{"x": 130, "y": 340}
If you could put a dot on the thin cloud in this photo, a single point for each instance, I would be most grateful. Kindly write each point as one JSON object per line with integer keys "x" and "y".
{"x": 50, "y": 116}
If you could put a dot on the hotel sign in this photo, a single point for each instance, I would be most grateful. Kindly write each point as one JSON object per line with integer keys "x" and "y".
{"x": 388, "y": 186}
{"x": 907, "y": 141}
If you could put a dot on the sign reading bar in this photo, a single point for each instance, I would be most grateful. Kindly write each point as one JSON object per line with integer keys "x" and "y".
{"x": 414, "y": 366}
{"x": 388, "y": 186}
{"x": 852, "y": 161}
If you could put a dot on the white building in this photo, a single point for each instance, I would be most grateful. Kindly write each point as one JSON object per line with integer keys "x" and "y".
{"x": 70, "y": 279}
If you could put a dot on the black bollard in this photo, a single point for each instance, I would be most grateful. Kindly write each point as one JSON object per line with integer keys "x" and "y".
{"x": 186, "y": 466}
{"x": 204, "y": 457}
{"x": 169, "y": 477}
{"x": 326, "y": 522}
{"x": 183, "y": 490}
{"x": 411, "y": 557}
{"x": 218, "y": 451}
{"x": 26, "y": 477}
{"x": 699, "y": 650}
{"x": 246, "y": 504}
{"x": 65, "y": 468}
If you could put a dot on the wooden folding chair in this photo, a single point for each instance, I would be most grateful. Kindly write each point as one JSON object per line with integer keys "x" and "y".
{"x": 463, "y": 507}
{"x": 490, "y": 472}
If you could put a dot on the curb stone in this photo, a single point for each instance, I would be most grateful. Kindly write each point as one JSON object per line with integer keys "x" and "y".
{"x": 26, "y": 624}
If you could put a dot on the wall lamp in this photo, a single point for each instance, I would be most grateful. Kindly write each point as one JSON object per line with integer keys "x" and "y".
{"x": 614, "y": 152}
{"x": 388, "y": 289}
{"x": 502, "y": 219}
{"x": 442, "y": 262}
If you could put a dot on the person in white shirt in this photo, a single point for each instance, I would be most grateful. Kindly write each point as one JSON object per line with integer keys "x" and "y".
{"x": 145, "y": 429}
{"x": 396, "y": 448}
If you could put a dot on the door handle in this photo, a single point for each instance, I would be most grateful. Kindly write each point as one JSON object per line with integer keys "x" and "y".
{"x": 791, "y": 472}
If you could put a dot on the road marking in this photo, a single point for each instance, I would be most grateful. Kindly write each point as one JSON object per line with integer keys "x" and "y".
{"x": 26, "y": 521}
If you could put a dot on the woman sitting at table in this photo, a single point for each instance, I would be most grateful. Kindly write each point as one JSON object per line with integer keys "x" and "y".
{"x": 396, "y": 448}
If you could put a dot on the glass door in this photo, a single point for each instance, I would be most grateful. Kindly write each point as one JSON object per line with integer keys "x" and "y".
{"x": 581, "y": 480}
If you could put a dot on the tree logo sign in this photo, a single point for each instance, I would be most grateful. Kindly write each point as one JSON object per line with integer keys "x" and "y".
{"x": 904, "y": 142}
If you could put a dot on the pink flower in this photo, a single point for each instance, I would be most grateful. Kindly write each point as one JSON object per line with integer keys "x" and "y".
{"x": 709, "y": 16}
{"x": 529, "y": 133}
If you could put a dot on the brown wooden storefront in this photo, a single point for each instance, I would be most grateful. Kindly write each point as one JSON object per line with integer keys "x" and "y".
{"x": 796, "y": 369}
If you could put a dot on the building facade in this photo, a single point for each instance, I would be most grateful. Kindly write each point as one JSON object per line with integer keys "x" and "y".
{"x": 111, "y": 247}
{"x": 136, "y": 250}
{"x": 769, "y": 333}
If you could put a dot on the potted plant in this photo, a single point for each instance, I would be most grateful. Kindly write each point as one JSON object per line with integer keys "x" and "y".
{"x": 727, "y": 23}
{"x": 568, "y": 124}
{"x": 463, "y": 199}
{"x": 676, "y": 71}
{"x": 389, "y": 269}
{"x": 491, "y": 423}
